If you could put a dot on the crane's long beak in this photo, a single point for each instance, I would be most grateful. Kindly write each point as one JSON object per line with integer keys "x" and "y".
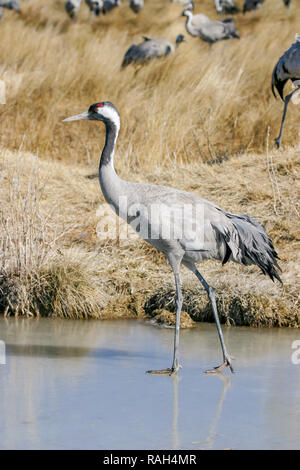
{"x": 77, "y": 117}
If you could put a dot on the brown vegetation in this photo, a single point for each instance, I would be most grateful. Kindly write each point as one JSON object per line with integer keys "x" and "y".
{"x": 197, "y": 120}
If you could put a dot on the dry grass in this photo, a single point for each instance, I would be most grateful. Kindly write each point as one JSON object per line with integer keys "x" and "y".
{"x": 200, "y": 103}
{"x": 197, "y": 120}
{"x": 81, "y": 276}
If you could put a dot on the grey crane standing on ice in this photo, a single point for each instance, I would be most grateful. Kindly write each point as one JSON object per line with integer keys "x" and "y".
{"x": 72, "y": 8}
{"x": 208, "y": 30}
{"x": 287, "y": 68}
{"x": 136, "y": 5}
{"x": 225, "y": 7}
{"x": 184, "y": 227}
{"x": 10, "y": 5}
{"x": 149, "y": 49}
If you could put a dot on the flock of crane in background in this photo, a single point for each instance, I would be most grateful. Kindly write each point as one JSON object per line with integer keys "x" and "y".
{"x": 97, "y": 7}
{"x": 287, "y": 68}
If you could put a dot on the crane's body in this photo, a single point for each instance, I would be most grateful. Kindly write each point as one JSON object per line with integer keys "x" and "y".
{"x": 287, "y": 68}
{"x": 150, "y": 48}
{"x": 210, "y": 31}
{"x": 183, "y": 226}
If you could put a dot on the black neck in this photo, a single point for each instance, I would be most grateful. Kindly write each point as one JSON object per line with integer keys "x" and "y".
{"x": 110, "y": 141}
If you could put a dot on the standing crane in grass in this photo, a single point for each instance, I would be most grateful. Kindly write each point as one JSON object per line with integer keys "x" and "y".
{"x": 287, "y": 68}
{"x": 151, "y": 48}
{"x": 10, "y": 5}
{"x": 250, "y": 5}
{"x": 109, "y": 5}
{"x": 95, "y": 6}
{"x": 255, "y": 4}
{"x": 184, "y": 227}
{"x": 208, "y": 30}
{"x": 72, "y": 8}
{"x": 136, "y": 5}
{"x": 225, "y": 7}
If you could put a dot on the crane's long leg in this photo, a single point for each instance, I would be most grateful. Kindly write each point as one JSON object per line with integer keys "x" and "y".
{"x": 286, "y": 102}
{"x": 212, "y": 297}
{"x": 179, "y": 299}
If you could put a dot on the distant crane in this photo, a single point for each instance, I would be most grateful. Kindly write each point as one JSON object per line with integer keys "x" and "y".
{"x": 109, "y": 5}
{"x": 72, "y": 8}
{"x": 225, "y": 7}
{"x": 95, "y": 6}
{"x": 287, "y": 68}
{"x": 184, "y": 227}
{"x": 149, "y": 49}
{"x": 208, "y": 30}
{"x": 136, "y": 5}
{"x": 252, "y": 5}
{"x": 10, "y": 5}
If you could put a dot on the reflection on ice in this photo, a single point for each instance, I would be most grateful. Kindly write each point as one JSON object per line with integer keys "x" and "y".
{"x": 82, "y": 384}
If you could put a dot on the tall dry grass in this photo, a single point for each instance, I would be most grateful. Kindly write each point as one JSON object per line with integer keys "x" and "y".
{"x": 198, "y": 103}
{"x": 36, "y": 276}
{"x": 198, "y": 120}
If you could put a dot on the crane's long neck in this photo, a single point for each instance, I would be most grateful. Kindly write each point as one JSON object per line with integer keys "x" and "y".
{"x": 188, "y": 19}
{"x": 110, "y": 183}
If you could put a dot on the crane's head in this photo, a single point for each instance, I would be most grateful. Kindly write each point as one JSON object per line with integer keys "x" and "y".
{"x": 104, "y": 111}
{"x": 187, "y": 12}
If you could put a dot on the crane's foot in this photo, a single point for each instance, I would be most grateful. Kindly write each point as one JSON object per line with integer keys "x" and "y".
{"x": 170, "y": 371}
{"x": 226, "y": 363}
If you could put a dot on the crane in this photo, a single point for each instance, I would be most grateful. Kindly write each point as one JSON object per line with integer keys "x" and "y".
{"x": 10, "y": 5}
{"x": 95, "y": 6}
{"x": 208, "y": 30}
{"x": 72, "y": 8}
{"x": 225, "y": 7}
{"x": 136, "y": 5}
{"x": 149, "y": 49}
{"x": 109, "y": 5}
{"x": 287, "y": 68}
{"x": 184, "y": 227}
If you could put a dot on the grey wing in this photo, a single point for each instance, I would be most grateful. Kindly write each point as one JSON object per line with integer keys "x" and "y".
{"x": 155, "y": 48}
{"x": 248, "y": 243}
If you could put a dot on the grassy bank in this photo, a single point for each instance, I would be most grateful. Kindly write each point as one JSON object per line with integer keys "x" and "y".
{"x": 54, "y": 264}
{"x": 199, "y": 120}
